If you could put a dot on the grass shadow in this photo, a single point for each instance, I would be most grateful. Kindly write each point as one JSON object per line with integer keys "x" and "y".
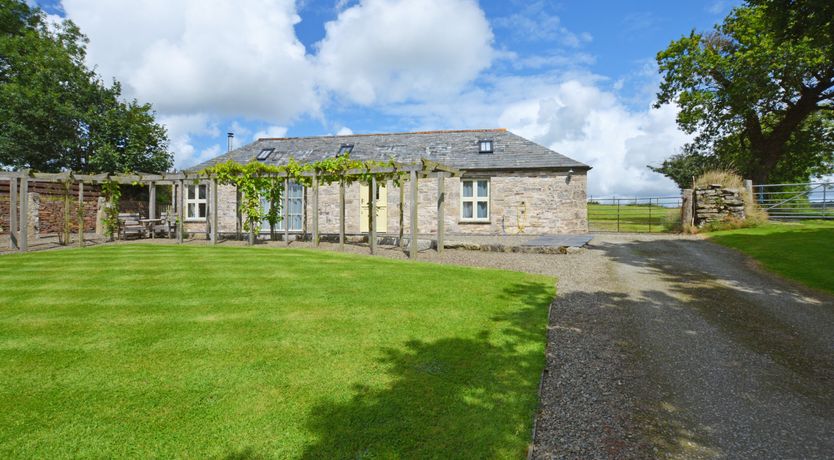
{"x": 449, "y": 398}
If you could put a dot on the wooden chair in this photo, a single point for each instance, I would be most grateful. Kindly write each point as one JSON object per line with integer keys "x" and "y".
{"x": 129, "y": 225}
{"x": 167, "y": 227}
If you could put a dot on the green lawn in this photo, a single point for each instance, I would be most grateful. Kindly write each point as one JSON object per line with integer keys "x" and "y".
{"x": 166, "y": 351}
{"x": 801, "y": 251}
{"x": 630, "y": 218}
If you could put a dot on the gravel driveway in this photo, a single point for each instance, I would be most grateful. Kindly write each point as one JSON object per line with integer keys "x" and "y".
{"x": 676, "y": 347}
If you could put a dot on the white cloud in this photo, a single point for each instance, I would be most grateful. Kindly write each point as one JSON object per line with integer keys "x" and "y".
{"x": 395, "y": 50}
{"x": 181, "y": 131}
{"x": 272, "y": 131}
{"x": 594, "y": 126}
{"x": 344, "y": 131}
{"x": 236, "y": 59}
{"x": 572, "y": 115}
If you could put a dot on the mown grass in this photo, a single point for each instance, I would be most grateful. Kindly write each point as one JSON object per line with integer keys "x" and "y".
{"x": 803, "y": 251}
{"x": 633, "y": 218}
{"x": 165, "y": 351}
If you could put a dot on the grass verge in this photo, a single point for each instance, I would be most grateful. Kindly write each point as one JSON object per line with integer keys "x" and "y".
{"x": 803, "y": 252}
{"x": 166, "y": 351}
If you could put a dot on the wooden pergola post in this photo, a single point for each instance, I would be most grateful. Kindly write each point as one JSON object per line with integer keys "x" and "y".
{"x": 213, "y": 211}
{"x": 441, "y": 208}
{"x": 180, "y": 205}
{"x": 287, "y": 211}
{"x": 402, "y": 214}
{"x": 13, "y": 230}
{"x": 342, "y": 214}
{"x": 80, "y": 214}
{"x": 315, "y": 210}
{"x": 372, "y": 216}
{"x": 152, "y": 200}
{"x": 412, "y": 250}
{"x": 23, "y": 235}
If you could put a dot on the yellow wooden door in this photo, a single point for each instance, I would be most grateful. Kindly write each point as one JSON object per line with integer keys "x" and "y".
{"x": 381, "y": 208}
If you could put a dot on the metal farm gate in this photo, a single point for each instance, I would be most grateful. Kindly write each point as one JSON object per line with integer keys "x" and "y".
{"x": 811, "y": 200}
{"x": 654, "y": 214}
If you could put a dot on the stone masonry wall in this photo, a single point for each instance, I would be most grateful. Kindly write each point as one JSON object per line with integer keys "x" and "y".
{"x": 716, "y": 204}
{"x": 521, "y": 202}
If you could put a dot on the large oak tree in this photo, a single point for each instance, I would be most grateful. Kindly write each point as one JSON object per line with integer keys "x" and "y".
{"x": 56, "y": 114}
{"x": 757, "y": 92}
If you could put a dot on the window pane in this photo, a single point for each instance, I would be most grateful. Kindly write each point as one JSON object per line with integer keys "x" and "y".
{"x": 296, "y": 223}
{"x": 482, "y": 210}
{"x": 467, "y": 210}
{"x": 467, "y": 188}
{"x": 191, "y": 211}
{"x": 190, "y": 194}
{"x": 202, "y": 192}
{"x": 202, "y": 209}
{"x": 482, "y": 189}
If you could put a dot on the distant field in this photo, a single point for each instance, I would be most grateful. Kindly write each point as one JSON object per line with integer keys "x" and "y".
{"x": 801, "y": 251}
{"x": 631, "y": 218}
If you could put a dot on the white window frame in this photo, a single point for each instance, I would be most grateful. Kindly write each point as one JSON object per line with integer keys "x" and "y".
{"x": 196, "y": 201}
{"x": 475, "y": 199}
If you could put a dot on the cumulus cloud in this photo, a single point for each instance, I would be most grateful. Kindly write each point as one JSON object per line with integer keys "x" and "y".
{"x": 593, "y": 126}
{"x": 272, "y": 131}
{"x": 228, "y": 58}
{"x": 572, "y": 115}
{"x": 394, "y": 50}
{"x": 181, "y": 131}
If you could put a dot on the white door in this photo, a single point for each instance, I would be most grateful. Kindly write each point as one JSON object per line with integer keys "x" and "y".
{"x": 381, "y": 208}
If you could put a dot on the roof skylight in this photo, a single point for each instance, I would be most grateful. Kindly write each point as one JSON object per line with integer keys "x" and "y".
{"x": 345, "y": 149}
{"x": 264, "y": 154}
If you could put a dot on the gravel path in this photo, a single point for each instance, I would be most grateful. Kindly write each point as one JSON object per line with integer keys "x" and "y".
{"x": 670, "y": 346}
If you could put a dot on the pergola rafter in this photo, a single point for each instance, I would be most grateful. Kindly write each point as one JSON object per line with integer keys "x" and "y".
{"x": 19, "y": 184}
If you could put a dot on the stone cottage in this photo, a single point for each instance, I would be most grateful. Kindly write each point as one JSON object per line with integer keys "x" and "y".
{"x": 508, "y": 184}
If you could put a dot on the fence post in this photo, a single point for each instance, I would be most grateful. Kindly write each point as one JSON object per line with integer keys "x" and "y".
{"x": 13, "y": 224}
{"x": 80, "y": 214}
{"x": 618, "y": 215}
{"x": 687, "y": 216}
{"x": 23, "y": 217}
{"x": 650, "y": 214}
{"x": 824, "y": 188}
{"x": 748, "y": 188}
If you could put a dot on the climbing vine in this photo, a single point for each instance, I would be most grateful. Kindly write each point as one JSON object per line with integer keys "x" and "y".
{"x": 256, "y": 180}
{"x": 112, "y": 193}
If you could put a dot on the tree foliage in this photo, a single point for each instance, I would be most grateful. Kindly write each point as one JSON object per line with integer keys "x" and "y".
{"x": 757, "y": 92}
{"x": 56, "y": 114}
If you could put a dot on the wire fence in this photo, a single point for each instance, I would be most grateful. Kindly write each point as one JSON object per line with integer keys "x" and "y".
{"x": 812, "y": 200}
{"x": 657, "y": 214}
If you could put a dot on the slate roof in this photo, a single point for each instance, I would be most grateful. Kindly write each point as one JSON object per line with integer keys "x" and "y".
{"x": 459, "y": 149}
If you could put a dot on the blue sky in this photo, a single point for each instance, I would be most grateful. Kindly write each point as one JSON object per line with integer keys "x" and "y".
{"x": 576, "y": 76}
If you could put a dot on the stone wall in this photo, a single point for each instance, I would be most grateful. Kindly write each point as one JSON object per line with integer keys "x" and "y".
{"x": 521, "y": 202}
{"x": 717, "y": 204}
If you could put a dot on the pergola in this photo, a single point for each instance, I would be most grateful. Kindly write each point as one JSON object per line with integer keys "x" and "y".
{"x": 19, "y": 186}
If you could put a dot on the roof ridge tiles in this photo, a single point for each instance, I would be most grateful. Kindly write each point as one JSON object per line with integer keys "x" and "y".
{"x": 440, "y": 131}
